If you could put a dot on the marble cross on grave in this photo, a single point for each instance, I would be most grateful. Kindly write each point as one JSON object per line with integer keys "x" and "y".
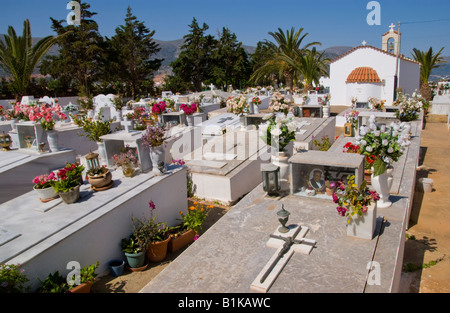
{"x": 224, "y": 119}
{"x": 286, "y": 244}
{"x": 127, "y": 124}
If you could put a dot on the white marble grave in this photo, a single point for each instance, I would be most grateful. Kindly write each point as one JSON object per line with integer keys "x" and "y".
{"x": 19, "y": 167}
{"x": 231, "y": 161}
{"x": 45, "y": 237}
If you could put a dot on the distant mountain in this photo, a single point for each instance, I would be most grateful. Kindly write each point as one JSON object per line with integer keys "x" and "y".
{"x": 170, "y": 50}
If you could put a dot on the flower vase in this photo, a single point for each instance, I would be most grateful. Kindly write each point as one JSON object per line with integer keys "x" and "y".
{"x": 326, "y": 111}
{"x": 256, "y": 107}
{"x": 52, "y": 138}
{"x": 382, "y": 185}
{"x": 349, "y": 130}
{"x": 102, "y": 152}
{"x": 281, "y": 159}
{"x": 46, "y": 194}
{"x": 251, "y": 108}
{"x": 190, "y": 119}
{"x": 13, "y": 124}
{"x": 243, "y": 122}
{"x": 128, "y": 170}
{"x": 70, "y": 196}
{"x": 363, "y": 226}
{"x": 157, "y": 155}
{"x": 119, "y": 115}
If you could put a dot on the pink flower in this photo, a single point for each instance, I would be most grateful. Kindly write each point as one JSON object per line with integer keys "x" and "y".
{"x": 196, "y": 237}
{"x": 152, "y": 205}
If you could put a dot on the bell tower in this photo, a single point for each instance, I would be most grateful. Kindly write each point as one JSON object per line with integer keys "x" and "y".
{"x": 391, "y": 41}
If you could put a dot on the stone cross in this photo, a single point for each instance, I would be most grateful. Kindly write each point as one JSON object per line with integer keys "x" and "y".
{"x": 286, "y": 244}
{"x": 127, "y": 124}
{"x": 391, "y": 27}
{"x": 364, "y": 43}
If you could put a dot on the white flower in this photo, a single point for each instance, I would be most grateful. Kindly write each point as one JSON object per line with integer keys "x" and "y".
{"x": 390, "y": 150}
{"x": 383, "y": 128}
{"x": 385, "y": 142}
{"x": 369, "y": 149}
{"x": 276, "y": 131}
{"x": 363, "y": 142}
{"x": 377, "y": 133}
{"x": 292, "y": 126}
{"x": 267, "y": 116}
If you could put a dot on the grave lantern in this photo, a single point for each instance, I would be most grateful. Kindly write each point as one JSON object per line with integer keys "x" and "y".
{"x": 283, "y": 217}
{"x": 92, "y": 161}
{"x": 5, "y": 141}
{"x": 271, "y": 178}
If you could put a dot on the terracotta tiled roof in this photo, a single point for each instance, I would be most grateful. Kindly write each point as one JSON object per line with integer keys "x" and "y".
{"x": 363, "y": 75}
{"x": 379, "y": 50}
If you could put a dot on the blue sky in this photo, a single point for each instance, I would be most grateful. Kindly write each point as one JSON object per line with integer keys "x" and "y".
{"x": 331, "y": 22}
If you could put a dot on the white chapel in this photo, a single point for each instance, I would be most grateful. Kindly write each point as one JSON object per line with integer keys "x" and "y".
{"x": 366, "y": 71}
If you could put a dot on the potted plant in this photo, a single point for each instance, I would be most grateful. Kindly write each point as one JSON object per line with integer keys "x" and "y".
{"x": 358, "y": 204}
{"x": 189, "y": 228}
{"x": 68, "y": 182}
{"x": 152, "y": 235}
{"x": 94, "y": 129}
{"x": 128, "y": 160}
{"x": 54, "y": 283}
{"x": 12, "y": 279}
{"x": 154, "y": 138}
{"x": 43, "y": 187}
{"x": 134, "y": 251}
{"x": 87, "y": 279}
{"x": 99, "y": 177}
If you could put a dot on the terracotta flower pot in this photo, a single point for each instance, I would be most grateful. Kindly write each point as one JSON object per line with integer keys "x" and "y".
{"x": 82, "y": 288}
{"x": 99, "y": 181}
{"x": 176, "y": 243}
{"x": 157, "y": 251}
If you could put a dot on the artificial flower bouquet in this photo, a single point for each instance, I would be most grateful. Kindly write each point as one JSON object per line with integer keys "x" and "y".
{"x": 237, "y": 105}
{"x": 386, "y": 143}
{"x": 278, "y": 103}
{"x": 280, "y": 129}
{"x": 189, "y": 109}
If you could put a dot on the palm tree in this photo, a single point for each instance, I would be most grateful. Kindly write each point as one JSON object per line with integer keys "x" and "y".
{"x": 285, "y": 53}
{"x": 313, "y": 67}
{"x": 19, "y": 58}
{"x": 429, "y": 61}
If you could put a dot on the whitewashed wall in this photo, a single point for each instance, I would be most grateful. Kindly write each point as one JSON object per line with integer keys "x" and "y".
{"x": 382, "y": 63}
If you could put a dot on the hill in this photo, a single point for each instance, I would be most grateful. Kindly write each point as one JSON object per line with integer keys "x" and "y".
{"x": 171, "y": 49}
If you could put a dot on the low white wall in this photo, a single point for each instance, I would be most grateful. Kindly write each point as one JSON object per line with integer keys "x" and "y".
{"x": 97, "y": 237}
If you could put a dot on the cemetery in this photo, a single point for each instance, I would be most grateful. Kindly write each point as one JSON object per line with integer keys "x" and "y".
{"x": 319, "y": 201}
{"x": 228, "y": 160}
